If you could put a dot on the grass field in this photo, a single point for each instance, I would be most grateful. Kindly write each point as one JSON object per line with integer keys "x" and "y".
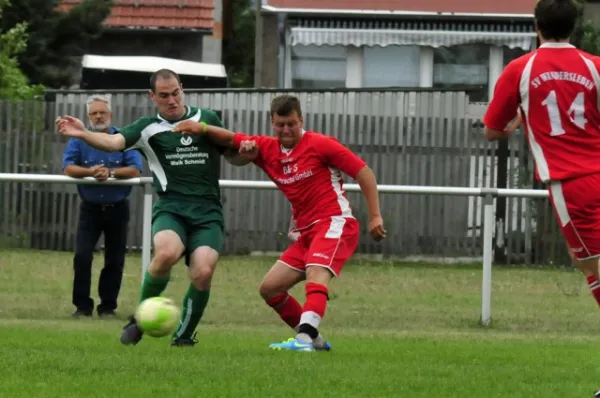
{"x": 398, "y": 330}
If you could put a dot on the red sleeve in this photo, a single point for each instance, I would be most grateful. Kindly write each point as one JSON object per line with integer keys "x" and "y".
{"x": 340, "y": 157}
{"x": 239, "y": 137}
{"x": 261, "y": 140}
{"x": 503, "y": 107}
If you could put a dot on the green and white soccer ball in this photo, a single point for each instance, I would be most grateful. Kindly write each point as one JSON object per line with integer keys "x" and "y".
{"x": 157, "y": 316}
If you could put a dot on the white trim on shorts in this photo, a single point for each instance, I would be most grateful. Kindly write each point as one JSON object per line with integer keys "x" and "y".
{"x": 560, "y": 205}
{"x": 322, "y": 266}
{"x": 289, "y": 266}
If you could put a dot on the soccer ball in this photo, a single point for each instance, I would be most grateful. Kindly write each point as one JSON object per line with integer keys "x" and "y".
{"x": 157, "y": 316}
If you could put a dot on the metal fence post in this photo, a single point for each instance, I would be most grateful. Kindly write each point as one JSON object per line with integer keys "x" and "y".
{"x": 488, "y": 255}
{"x": 147, "y": 225}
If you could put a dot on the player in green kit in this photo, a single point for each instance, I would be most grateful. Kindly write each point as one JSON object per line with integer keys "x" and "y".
{"x": 187, "y": 218}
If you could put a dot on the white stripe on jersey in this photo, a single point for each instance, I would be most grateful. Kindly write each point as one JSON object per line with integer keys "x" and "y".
{"x": 336, "y": 184}
{"x": 536, "y": 149}
{"x": 595, "y": 76}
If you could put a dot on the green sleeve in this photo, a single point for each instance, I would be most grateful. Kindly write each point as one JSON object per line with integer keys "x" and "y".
{"x": 133, "y": 133}
{"x": 214, "y": 120}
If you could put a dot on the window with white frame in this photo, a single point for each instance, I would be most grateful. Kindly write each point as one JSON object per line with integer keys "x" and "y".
{"x": 465, "y": 65}
{"x": 318, "y": 66}
{"x": 391, "y": 66}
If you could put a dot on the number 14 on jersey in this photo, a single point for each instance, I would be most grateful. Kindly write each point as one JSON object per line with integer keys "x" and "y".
{"x": 576, "y": 113}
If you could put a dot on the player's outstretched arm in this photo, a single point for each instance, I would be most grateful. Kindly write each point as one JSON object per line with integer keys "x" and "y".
{"x": 247, "y": 150}
{"x": 368, "y": 185}
{"x": 235, "y": 158}
{"x": 69, "y": 126}
{"x": 218, "y": 135}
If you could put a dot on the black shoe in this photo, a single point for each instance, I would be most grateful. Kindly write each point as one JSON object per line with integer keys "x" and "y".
{"x": 82, "y": 313}
{"x": 183, "y": 342}
{"x": 597, "y": 394}
{"x": 107, "y": 314}
{"x": 131, "y": 333}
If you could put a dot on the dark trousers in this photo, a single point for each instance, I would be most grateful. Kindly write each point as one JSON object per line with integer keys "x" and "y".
{"x": 95, "y": 219}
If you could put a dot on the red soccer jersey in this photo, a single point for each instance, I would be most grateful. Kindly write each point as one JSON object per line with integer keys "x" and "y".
{"x": 309, "y": 174}
{"x": 557, "y": 87}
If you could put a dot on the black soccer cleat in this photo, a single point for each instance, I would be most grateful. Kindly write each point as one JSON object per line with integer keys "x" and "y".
{"x": 183, "y": 342}
{"x": 81, "y": 314}
{"x": 131, "y": 333}
{"x": 597, "y": 394}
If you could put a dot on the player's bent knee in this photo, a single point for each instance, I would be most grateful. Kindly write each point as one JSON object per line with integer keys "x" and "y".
{"x": 202, "y": 266}
{"x": 268, "y": 290}
{"x": 271, "y": 286}
{"x": 168, "y": 249}
{"x": 201, "y": 274}
{"x": 164, "y": 259}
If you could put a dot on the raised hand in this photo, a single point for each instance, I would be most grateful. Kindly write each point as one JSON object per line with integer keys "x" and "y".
{"x": 69, "y": 126}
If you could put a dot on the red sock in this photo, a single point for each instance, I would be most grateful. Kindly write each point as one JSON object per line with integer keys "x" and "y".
{"x": 594, "y": 287}
{"x": 288, "y": 308}
{"x": 316, "y": 301}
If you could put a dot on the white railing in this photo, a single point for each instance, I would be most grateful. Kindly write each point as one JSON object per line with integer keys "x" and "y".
{"x": 487, "y": 193}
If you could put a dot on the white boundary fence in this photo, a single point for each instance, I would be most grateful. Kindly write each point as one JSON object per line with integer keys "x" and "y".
{"x": 487, "y": 193}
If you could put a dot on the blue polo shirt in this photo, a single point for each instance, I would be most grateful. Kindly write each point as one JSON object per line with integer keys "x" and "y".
{"x": 81, "y": 154}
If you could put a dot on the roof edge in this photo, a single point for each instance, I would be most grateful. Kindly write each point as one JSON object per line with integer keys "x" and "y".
{"x": 137, "y": 28}
{"x": 390, "y": 13}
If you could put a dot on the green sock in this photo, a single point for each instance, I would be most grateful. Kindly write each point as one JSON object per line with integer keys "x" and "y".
{"x": 153, "y": 286}
{"x": 194, "y": 304}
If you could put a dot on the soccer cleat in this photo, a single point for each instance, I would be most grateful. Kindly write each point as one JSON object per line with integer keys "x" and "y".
{"x": 183, "y": 342}
{"x": 82, "y": 314}
{"x": 107, "y": 314}
{"x": 322, "y": 347}
{"x": 597, "y": 394}
{"x": 292, "y": 344}
{"x": 131, "y": 333}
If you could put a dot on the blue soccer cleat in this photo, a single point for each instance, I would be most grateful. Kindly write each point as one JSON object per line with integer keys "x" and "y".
{"x": 292, "y": 344}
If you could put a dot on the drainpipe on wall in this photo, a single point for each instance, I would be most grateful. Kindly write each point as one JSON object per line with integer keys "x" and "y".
{"x": 281, "y": 51}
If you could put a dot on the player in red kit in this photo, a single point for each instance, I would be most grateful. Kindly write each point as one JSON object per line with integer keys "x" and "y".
{"x": 555, "y": 93}
{"x": 306, "y": 167}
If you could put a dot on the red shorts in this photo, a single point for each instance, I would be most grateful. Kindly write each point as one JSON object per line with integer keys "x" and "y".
{"x": 328, "y": 243}
{"x": 576, "y": 205}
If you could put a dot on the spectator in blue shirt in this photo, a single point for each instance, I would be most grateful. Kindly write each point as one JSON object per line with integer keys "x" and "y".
{"x": 104, "y": 209}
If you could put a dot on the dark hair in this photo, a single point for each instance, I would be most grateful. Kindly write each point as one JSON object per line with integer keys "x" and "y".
{"x": 163, "y": 74}
{"x": 284, "y": 105}
{"x": 556, "y": 19}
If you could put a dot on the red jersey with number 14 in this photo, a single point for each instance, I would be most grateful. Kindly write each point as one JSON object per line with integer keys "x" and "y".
{"x": 558, "y": 88}
{"x": 308, "y": 174}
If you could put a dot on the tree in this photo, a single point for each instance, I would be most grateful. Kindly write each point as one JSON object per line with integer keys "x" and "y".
{"x": 13, "y": 83}
{"x": 238, "y": 48}
{"x": 587, "y": 33}
{"x": 55, "y": 38}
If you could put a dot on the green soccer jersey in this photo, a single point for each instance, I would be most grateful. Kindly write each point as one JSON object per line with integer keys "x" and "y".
{"x": 181, "y": 165}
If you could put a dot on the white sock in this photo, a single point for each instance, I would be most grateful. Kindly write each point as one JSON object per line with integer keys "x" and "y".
{"x": 319, "y": 341}
{"x": 304, "y": 337}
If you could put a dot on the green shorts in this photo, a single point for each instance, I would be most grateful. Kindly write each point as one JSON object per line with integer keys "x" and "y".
{"x": 197, "y": 222}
